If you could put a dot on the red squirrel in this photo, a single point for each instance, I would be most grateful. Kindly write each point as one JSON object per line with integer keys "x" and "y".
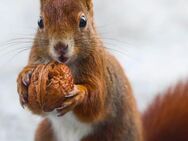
{"x": 104, "y": 108}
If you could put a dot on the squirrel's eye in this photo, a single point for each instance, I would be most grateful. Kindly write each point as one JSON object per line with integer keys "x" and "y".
{"x": 83, "y": 22}
{"x": 41, "y": 23}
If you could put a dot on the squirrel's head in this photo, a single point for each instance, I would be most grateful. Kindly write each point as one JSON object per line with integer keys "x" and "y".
{"x": 65, "y": 30}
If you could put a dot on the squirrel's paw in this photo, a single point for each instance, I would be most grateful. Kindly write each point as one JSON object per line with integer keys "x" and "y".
{"x": 72, "y": 100}
{"x": 23, "y": 82}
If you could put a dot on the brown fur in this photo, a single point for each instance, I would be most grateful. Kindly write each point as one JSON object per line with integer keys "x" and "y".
{"x": 109, "y": 105}
{"x": 167, "y": 117}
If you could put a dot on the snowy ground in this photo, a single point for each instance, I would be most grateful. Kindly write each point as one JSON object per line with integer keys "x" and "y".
{"x": 150, "y": 36}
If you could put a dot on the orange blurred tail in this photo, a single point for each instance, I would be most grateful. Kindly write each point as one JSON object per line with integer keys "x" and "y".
{"x": 166, "y": 119}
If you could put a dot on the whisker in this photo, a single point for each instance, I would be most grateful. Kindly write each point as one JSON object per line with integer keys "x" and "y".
{"x": 20, "y": 41}
{"x": 19, "y": 52}
{"x": 13, "y": 46}
{"x": 12, "y": 51}
{"x": 14, "y": 42}
{"x": 115, "y": 41}
{"x": 9, "y": 60}
{"x": 115, "y": 50}
{"x": 113, "y": 45}
{"x": 122, "y": 52}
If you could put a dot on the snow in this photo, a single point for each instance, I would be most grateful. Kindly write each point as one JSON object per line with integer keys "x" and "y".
{"x": 149, "y": 36}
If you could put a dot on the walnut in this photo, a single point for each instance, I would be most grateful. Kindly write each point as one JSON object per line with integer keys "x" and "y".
{"x": 48, "y": 86}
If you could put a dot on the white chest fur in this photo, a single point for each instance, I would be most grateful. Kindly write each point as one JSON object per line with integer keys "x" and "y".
{"x": 68, "y": 128}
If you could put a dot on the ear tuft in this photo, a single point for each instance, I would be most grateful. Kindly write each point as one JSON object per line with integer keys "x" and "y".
{"x": 42, "y": 3}
{"x": 88, "y": 3}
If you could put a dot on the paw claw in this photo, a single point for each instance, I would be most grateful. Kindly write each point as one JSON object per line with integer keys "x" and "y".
{"x": 73, "y": 99}
{"x": 23, "y": 82}
{"x": 71, "y": 95}
{"x": 25, "y": 97}
{"x": 23, "y": 106}
{"x": 66, "y": 107}
{"x": 26, "y": 79}
{"x": 61, "y": 114}
{"x": 60, "y": 109}
{"x": 24, "y": 100}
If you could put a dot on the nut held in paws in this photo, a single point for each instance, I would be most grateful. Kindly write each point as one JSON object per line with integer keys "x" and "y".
{"x": 48, "y": 86}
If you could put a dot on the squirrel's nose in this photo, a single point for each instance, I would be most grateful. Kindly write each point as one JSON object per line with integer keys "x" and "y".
{"x": 61, "y": 48}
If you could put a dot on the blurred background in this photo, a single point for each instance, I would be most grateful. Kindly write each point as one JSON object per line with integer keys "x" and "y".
{"x": 149, "y": 37}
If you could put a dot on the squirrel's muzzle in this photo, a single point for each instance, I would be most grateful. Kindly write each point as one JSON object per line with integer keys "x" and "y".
{"x": 61, "y": 48}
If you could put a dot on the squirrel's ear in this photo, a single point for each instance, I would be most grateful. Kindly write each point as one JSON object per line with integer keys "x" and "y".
{"x": 42, "y": 3}
{"x": 89, "y": 4}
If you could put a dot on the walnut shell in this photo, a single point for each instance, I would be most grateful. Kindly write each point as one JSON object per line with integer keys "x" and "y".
{"x": 48, "y": 86}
